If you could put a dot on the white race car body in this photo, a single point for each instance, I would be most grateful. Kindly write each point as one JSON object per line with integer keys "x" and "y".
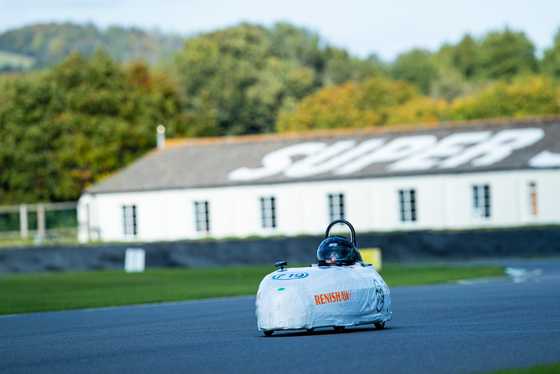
{"x": 322, "y": 296}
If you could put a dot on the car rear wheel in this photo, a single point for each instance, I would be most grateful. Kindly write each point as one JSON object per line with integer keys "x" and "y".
{"x": 338, "y": 328}
{"x": 268, "y": 332}
{"x": 379, "y": 325}
{"x": 310, "y": 330}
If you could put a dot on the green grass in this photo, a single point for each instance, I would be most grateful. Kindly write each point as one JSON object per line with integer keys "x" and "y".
{"x": 541, "y": 369}
{"x": 399, "y": 275}
{"x": 24, "y": 293}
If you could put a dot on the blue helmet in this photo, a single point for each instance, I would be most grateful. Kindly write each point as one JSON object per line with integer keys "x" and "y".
{"x": 336, "y": 250}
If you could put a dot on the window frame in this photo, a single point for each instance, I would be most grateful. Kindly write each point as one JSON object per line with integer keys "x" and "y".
{"x": 130, "y": 220}
{"x": 481, "y": 201}
{"x": 268, "y": 212}
{"x": 408, "y": 211}
{"x": 202, "y": 216}
{"x": 336, "y": 206}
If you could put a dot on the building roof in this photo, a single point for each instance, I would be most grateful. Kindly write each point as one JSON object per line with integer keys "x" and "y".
{"x": 342, "y": 154}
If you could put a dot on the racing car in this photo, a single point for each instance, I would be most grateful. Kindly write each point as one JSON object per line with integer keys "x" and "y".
{"x": 338, "y": 290}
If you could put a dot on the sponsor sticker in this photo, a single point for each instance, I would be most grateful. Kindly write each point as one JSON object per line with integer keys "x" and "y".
{"x": 333, "y": 297}
{"x": 290, "y": 276}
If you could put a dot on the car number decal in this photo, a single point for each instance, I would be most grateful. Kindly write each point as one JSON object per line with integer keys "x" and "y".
{"x": 290, "y": 276}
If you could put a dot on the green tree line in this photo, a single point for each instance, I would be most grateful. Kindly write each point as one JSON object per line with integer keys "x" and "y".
{"x": 68, "y": 125}
{"x": 497, "y": 75}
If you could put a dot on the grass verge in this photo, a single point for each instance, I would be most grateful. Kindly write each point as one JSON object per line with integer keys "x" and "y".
{"x": 540, "y": 369}
{"x": 38, "y": 292}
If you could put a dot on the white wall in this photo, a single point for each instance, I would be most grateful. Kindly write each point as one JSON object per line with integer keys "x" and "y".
{"x": 443, "y": 202}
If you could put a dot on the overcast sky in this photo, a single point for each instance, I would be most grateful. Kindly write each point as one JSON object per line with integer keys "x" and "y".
{"x": 382, "y": 27}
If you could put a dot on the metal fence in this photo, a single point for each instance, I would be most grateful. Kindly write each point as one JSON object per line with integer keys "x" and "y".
{"x": 41, "y": 221}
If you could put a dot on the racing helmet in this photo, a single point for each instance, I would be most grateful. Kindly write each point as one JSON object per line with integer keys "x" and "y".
{"x": 336, "y": 250}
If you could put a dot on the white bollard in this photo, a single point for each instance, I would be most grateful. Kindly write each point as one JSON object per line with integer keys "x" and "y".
{"x": 134, "y": 260}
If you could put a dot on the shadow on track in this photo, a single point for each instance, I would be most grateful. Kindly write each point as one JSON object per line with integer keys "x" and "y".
{"x": 324, "y": 331}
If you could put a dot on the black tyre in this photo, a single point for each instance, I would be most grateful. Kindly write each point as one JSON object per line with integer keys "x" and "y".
{"x": 379, "y": 325}
{"x": 338, "y": 328}
{"x": 310, "y": 330}
{"x": 268, "y": 332}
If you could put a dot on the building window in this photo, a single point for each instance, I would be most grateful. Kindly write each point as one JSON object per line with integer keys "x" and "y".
{"x": 268, "y": 212}
{"x": 533, "y": 207}
{"x": 129, "y": 221}
{"x": 481, "y": 201}
{"x": 202, "y": 216}
{"x": 407, "y": 205}
{"x": 336, "y": 206}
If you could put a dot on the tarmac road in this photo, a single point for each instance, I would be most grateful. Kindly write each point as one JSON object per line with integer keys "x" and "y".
{"x": 454, "y": 328}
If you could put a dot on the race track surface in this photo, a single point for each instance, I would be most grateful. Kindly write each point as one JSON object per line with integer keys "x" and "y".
{"x": 453, "y": 328}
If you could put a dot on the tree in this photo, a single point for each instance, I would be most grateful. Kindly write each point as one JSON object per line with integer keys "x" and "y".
{"x": 352, "y": 104}
{"x": 465, "y": 57}
{"x": 526, "y": 96}
{"x": 504, "y": 55}
{"x": 420, "y": 109}
{"x": 71, "y": 125}
{"x": 289, "y": 43}
{"x": 220, "y": 67}
{"x": 246, "y": 74}
{"x": 340, "y": 68}
{"x": 551, "y": 60}
{"x": 416, "y": 67}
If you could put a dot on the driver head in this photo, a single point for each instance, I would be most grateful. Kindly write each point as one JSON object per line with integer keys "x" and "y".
{"x": 335, "y": 250}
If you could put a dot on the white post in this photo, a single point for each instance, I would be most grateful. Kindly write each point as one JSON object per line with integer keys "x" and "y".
{"x": 41, "y": 223}
{"x": 88, "y": 224}
{"x": 23, "y": 222}
{"x": 161, "y": 137}
{"x": 134, "y": 260}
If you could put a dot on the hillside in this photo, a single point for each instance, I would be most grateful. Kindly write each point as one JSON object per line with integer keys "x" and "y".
{"x": 42, "y": 45}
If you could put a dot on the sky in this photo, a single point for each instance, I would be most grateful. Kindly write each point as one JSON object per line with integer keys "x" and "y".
{"x": 385, "y": 28}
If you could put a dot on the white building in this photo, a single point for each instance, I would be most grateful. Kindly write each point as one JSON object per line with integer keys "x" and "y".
{"x": 453, "y": 176}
